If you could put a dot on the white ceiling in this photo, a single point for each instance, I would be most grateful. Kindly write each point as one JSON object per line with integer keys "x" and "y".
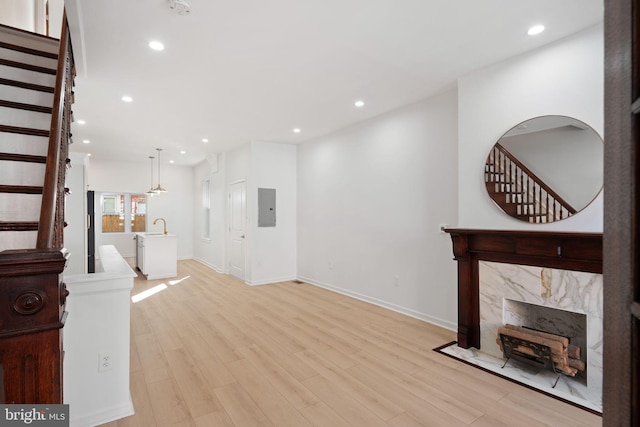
{"x": 244, "y": 70}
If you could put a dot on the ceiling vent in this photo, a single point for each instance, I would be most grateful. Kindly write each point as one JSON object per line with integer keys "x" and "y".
{"x": 181, "y": 7}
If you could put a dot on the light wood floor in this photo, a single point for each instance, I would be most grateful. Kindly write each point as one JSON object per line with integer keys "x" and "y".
{"x": 211, "y": 351}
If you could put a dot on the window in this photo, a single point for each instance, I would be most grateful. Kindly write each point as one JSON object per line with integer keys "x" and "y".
{"x": 206, "y": 209}
{"x": 138, "y": 213}
{"x": 113, "y": 213}
{"x": 117, "y": 207}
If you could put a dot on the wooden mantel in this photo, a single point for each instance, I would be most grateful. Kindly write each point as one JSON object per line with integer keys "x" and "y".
{"x": 561, "y": 250}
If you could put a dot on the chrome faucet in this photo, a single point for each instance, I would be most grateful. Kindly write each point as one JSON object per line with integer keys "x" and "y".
{"x": 163, "y": 222}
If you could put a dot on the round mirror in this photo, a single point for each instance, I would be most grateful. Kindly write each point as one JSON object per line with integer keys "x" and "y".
{"x": 545, "y": 169}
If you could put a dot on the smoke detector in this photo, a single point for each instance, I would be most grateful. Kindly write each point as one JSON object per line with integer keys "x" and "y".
{"x": 181, "y": 7}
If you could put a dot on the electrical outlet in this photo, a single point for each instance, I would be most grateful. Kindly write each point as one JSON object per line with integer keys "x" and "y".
{"x": 396, "y": 281}
{"x": 105, "y": 363}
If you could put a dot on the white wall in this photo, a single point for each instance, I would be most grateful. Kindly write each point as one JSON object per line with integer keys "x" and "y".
{"x": 564, "y": 78}
{"x": 29, "y": 15}
{"x": 270, "y": 251}
{"x": 175, "y": 206}
{"x": 212, "y": 251}
{"x": 56, "y": 11}
{"x": 273, "y": 248}
{"x": 370, "y": 202}
{"x": 18, "y": 14}
{"x": 75, "y": 233}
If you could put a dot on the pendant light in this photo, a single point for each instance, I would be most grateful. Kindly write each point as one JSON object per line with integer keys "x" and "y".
{"x": 152, "y": 191}
{"x": 159, "y": 188}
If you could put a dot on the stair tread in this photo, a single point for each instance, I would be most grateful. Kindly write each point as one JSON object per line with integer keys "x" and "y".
{"x": 25, "y": 85}
{"x": 28, "y": 50}
{"x": 21, "y": 189}
{"x": 24, "y": 131}
{"x": 30, "y": 67}
{"x": 23, "y": 106}
{"x": 18, "y": 225}
{"x": 23, "y": 158}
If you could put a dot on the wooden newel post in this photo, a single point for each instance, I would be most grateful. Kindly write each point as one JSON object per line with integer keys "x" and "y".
{"x": 32, "y": 315}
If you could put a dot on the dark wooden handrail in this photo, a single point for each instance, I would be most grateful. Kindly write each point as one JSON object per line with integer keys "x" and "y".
{"x": 520, "y": 192}
{"x": 536, "y": 179}
{"x": 51, "y": 202}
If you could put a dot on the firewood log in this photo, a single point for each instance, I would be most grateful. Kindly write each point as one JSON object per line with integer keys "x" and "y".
{"x": 556, "y": 347}
{"x": 568, "y": 370}
{"x": 546, "y": 335}
{"x": 574, "y": 351}
{"x": 578, "y": 364}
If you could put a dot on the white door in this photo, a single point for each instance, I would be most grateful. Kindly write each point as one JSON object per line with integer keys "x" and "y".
{"x": 237, "y": 228}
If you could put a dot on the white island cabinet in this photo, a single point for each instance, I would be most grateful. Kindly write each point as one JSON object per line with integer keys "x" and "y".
{"x": 157, "y": 255}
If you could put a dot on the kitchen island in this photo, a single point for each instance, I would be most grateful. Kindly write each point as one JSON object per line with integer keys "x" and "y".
{"x": 157, "y": 255}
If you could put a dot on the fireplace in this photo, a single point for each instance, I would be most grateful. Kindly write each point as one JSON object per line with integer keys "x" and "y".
{"x": 541, "y": 350}
{"x": 541, "y": 325}
{"x": 541, "y": 280}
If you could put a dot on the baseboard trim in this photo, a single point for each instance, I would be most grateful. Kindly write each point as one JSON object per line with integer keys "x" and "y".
{"x": 399, "y": 309}
{"x": 393, "y": 307}
{"x": 211, "y": 266}
{"x": 105, "y": 416}
{"x": 269, "y": 281}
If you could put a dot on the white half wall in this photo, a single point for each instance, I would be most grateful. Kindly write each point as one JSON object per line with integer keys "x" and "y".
{"x": 98, "y": 327}
{"x": 564, "y": 78}
{"x": 371, "y": 199}
{"x": 175, "y": 206}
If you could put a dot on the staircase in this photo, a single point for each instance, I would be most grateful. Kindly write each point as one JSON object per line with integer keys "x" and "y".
{"x": 36, "y": 80}
{"x": 27, "y": 82}
{"x": 519, "y": 192}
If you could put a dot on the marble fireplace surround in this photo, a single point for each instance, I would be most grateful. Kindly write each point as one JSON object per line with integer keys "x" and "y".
{"x": 570, "y": 295}
{"x": 494, "y": 265}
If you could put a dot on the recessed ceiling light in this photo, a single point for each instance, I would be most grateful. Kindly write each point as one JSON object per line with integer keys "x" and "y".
{"x": 88, "y": 154}
{"x": 359, "y": 104}
{"x": 127, "y": 98}
{"x": 536, "y": 29}
{"x": 297, "y": 130}
{"x": 205, "y": 140}
{"x": 156, "y": 45}
{"x": 81, "y": 122}
{"x": 183, "y": 152}
{"x": 85, "y": 141}
{"x": 172, "y": 161}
